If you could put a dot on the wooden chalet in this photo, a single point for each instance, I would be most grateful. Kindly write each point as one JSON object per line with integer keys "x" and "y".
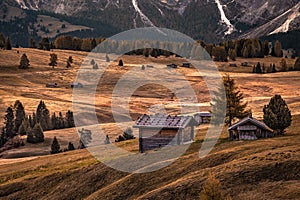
{"x": 186, "y": 65}
{"x": 156, "y": 131}
{"x": 203, "y": 117}
{"x": 172, "y": 66}
{"x": 250, "y": 129}
{"x": 51, "y": 85}
{"x": 76, "y": 85}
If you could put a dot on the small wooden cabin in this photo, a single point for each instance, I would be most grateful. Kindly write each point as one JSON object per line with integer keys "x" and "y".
{"x": 156, "y": 131}
{"x": 51, "y": 85}
{"x": 76, "y": 85}
{"x": 250, "y": 129}
{"x": 245, "y": 64}
{"x": 186, "y": 65}
{"x": 203, "y": 117}
{"x": 172, "y": 66}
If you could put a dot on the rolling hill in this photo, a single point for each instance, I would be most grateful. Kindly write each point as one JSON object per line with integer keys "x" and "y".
{"x": 262, "y": 169}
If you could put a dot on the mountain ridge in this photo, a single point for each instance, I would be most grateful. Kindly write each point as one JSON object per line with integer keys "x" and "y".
{"x": 208, "y": 20}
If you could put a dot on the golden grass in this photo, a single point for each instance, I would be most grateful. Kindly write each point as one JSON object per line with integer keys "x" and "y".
{"x": 263, "y": 169}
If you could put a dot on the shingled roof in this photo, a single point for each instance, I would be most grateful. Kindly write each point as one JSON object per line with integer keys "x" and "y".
{"x": 251, "y": 120}
{"x": 164, "y": 121}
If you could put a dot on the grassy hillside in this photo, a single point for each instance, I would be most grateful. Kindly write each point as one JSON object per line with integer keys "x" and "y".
{"x": 263, "y": 169}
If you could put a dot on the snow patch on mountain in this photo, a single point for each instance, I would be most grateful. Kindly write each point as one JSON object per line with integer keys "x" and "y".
{"x": 224, "y": 19}
{"x": 286, "y": 25}
{"x": 144, "y": 18}
{"x": 22, "y": 4}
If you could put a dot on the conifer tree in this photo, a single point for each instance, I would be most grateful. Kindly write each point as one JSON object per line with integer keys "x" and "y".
{"x": 121, "y": 63}
{"x": 277, "y": 51}
{"x": 274, "y": 68}
{"x": 277, "y": 115}
{"x": 92, "y": 62}
{"x": 24, "y": 62}
{"x": 69, "y": 62}
{"x": 38, "y": 133}
{"x": 32, "y": 43}
{"x": 7, "y": 45}
{"x": 2, "y": 40}
{"x": 95, "y": 66}
{"x": 266, "y": 48}
{"x": 30, "y": 137}
{"x": 71, "y": 146}
{"x": 44, "y": 44}
{"x": 9, "y": 123}
{"x": 53, "y": 60}
{"x": 297, "y": 64}
{"x": 55, "y": 146}
{"x": 258, "y": 68}
{"x": 212, "y": 190}
{"x": 70, "y": 119}
{"x": 3, "y": 138}
{"x": 107, "y": 141}
{"x": 235, "y": 107}
{"x": 283, "y": 65}
{"x": 43, "y": 116}
{"x": 19, "y": 114}
{"x": 54, "y": 121}
{"x": 24, "y": 127}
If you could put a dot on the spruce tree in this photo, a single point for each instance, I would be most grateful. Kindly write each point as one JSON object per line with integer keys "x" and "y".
{"x": 107, "y": 141}
{"x": 44, "y": 44}
{"x": 53, "y": 60}
{"x": 69, "y": 62}
{"x": 19, "y": 114}
{"x": 235, "y": 107}
{"x": 38, "y": 133}
{"x": 7, "y": 44}
{"x": 3, "y": 138}
{"x": 30, "y": 136}
{"x": 24, "y": 127}
{"x": 258, "y": 69}
{"x": 121, "y": 63}
{"x": 71, "y": 146}
{"x": 297, "y": 64}
{"x": 92, "y": 62}
{"x": 277, "y": 115}
{"x": 2, "y": 40}
{"x": 283, "y": 65}
{"x": 9, "y": 123}
{"x": 54, "y": 121}
{"x": 24, "y": 62}
{"x": 32, "y": 43}
{"x": 95, "y": 66}
{"x": 274, "y": 68}
{"x": 212, "y": 190}
{"x": 43, "y": 116}
{"x": 70, "y": 119}
{"x": 55, "y": 146}
{"x": 277, "y": 50}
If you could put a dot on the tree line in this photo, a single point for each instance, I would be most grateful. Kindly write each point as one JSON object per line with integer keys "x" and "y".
{"x": 18, "y": 123}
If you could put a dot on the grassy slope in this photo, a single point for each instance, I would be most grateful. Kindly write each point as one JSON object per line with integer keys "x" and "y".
{"x": 264, "y": 169}
{"x": 247, "y": 170}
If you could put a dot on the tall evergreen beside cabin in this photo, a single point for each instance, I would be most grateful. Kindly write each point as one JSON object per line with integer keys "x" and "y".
{"x": 235, "y": 106}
